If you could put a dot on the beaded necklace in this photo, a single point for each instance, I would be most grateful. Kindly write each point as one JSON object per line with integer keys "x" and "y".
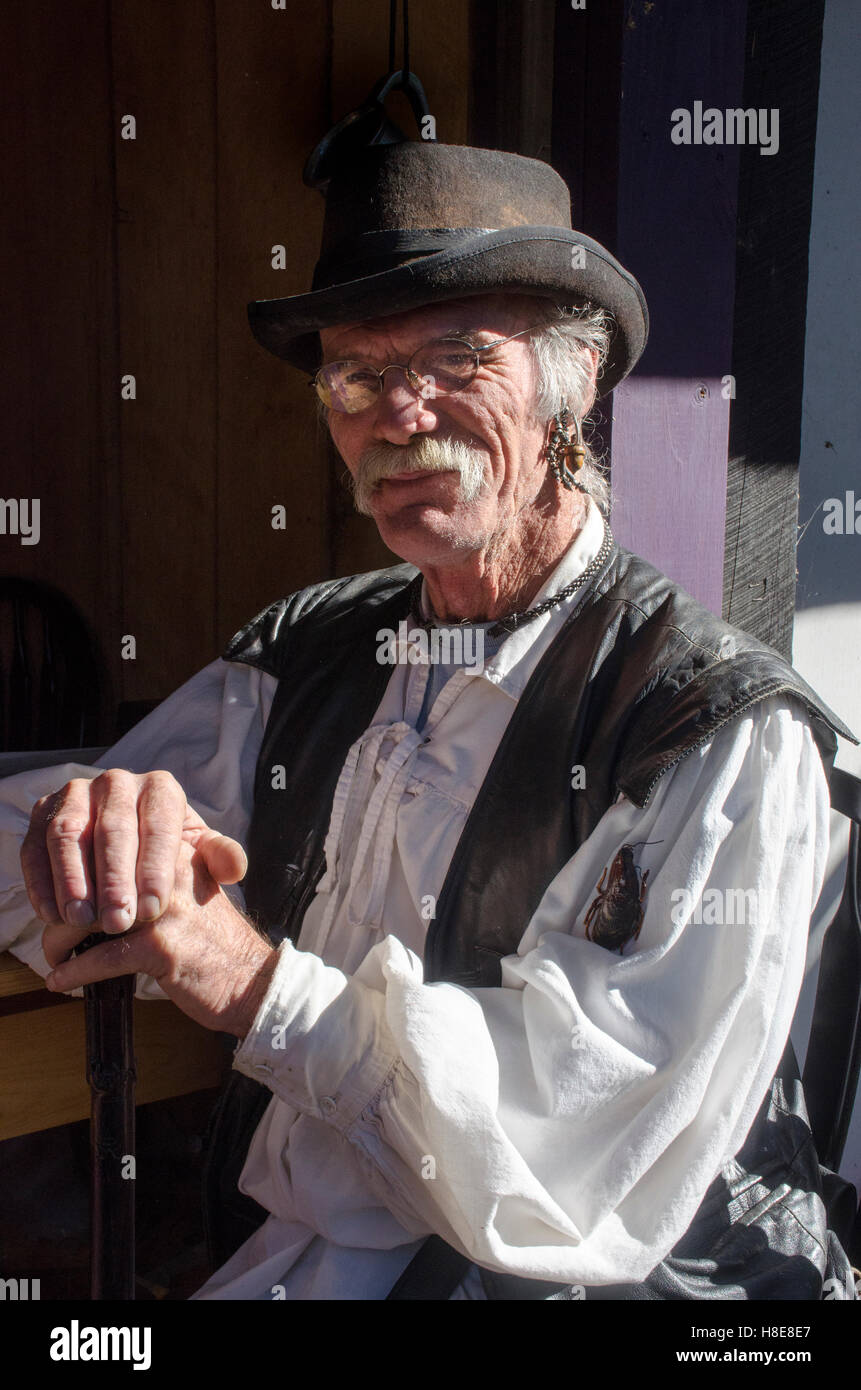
{"x": 512, "y": 621}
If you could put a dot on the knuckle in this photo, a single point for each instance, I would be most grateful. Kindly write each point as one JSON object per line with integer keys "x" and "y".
{"x": 116, "y": 781}
{"x": 115, "y": 884}
{"x": 64, "y": 829}
{"x": 117, "y": 823}
{"x": 77, "y": 787}
{"x": 159, "y": 852}
{"x": 112, "y": 776}
{"x": 48, "y": 805}
{"x": 158, "y": 868}
{"x": 161, "y": 779}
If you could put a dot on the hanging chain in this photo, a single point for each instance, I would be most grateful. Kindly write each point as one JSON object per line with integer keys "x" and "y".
{"x": 512, "y": 621}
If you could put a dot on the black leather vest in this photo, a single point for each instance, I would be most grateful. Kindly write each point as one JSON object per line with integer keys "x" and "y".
{"x": 639, "y": 675}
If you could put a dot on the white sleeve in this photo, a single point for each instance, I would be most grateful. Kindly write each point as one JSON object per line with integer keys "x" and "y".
{"x": 567, "y": 1125}
{"x": 207, "y": 733}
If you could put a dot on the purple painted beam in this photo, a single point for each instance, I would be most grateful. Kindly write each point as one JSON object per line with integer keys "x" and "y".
{"x": 669, "y": 478}
{"x": 676, "y": 230}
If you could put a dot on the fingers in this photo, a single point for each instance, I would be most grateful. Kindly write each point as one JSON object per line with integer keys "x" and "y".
{"x": 127, "y": 955}
{"x": 60, "y": 940}
{"x": 110, "y": 848}
{"x": 141, "y": 948}
{"x": 204, "y": 954}
{"x": 115, "y": 848}
{"x": 55, "y": 856}
{"x": 161, "y": 813}
{"x": 35, "y": 864}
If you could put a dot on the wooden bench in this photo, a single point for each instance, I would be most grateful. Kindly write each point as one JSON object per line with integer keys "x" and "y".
{"x": 43, "y": 1079}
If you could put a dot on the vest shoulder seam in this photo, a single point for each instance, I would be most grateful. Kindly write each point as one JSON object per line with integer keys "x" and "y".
{"x": 660, "y": 765}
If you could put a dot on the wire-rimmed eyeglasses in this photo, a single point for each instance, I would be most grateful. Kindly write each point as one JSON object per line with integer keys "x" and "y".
{"x": 438, "y": 368}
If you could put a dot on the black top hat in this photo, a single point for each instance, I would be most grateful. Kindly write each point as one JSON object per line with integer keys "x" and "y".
{"x": 418, "y": 222}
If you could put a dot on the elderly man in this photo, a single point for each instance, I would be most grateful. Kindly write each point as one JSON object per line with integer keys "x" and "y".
{"x": 535, "y": 920}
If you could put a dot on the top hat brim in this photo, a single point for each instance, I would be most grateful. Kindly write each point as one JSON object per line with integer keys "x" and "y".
{"x": 520, "y": 260}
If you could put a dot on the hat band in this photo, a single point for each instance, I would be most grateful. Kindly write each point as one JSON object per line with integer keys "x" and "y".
{"x": 369, "y": 253}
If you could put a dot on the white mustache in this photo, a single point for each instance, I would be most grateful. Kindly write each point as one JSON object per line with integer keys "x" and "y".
{"x": 426, "y": 454}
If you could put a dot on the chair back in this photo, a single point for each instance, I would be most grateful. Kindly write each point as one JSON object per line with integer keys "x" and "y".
{"x": 51, "y": 682}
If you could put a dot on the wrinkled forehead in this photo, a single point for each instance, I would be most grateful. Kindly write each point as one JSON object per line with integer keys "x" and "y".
{"x": 493, "y": 315}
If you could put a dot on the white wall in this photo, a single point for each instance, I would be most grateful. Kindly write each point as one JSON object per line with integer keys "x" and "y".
{"x": 827, "y": 644}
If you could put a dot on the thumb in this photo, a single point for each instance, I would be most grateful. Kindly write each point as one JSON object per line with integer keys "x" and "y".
{"x": 225, "y": 859}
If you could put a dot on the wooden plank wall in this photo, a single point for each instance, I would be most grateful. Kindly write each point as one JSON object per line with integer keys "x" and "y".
{"x": 138, "y": 257}
{"x": 59, "y": 383}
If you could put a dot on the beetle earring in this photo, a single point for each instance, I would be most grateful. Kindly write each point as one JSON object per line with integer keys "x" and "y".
{"x": 565, "y": 455}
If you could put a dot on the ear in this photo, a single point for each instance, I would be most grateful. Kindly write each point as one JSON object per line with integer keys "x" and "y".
{"x": 592, "y": 354}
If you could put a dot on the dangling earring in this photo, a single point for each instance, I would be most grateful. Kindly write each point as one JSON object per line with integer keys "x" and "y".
{"x": 562, "y": 448}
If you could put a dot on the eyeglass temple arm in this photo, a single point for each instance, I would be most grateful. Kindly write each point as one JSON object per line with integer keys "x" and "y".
{"x": 499, "y": 341}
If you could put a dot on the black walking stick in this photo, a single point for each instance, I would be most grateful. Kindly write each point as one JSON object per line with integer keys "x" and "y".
{"x": 111, "y": 1076}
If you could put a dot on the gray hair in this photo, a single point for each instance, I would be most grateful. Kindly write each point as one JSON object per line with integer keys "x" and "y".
{"x": 560, "y": 347}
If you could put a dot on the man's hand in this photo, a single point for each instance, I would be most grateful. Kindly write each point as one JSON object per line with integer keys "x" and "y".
{"x": 205, "y": 955}
{"x": 108, "y": 849}
{"x": 127, "y": 850}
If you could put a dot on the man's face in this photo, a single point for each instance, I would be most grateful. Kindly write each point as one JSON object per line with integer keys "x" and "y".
{"x": 422, "y": 515}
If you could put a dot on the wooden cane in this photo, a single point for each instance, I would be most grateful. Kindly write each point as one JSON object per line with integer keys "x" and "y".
{"x": 111, "y": 1077}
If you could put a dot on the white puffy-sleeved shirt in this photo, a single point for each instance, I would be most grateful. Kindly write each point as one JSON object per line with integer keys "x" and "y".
{"x": 563, "y": 1126}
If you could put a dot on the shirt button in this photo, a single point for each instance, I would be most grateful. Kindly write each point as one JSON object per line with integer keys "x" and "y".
{"x": 328, "y": 1105}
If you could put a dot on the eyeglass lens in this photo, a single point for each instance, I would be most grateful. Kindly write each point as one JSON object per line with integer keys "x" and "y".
{"x": 437, "y": 368}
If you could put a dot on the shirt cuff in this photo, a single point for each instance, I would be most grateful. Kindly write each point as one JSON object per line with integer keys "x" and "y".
{"x": 319, "y": 1040}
